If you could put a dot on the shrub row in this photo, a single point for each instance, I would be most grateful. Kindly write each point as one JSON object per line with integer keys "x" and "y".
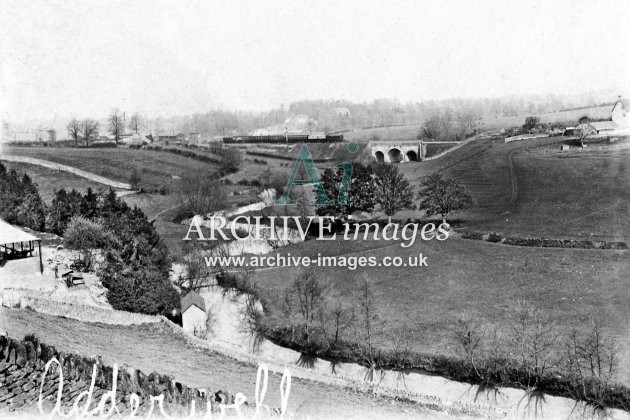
{"x": 274, "y": 156}
{"x": 544, "y": 242}
{"x": 186, "y": 153}
{"x": 491, "y": 372}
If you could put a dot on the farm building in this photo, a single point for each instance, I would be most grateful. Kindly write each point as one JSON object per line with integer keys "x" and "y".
{"x": 45, "y": 135}
{"x": 598, "y": 127}
{"x": 34, "y": 135}
{"x": 621, "y": 114}
{"x": 180, "y": 137}
{"x": 18, "y": 244}
{"x": 135, "y": 140}
{"x": 342, "y": 112}
{"x": 193, "y": 309}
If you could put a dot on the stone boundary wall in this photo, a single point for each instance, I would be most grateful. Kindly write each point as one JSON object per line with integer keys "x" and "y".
{"x": 83, "y": 313}
{"x": 526, "y": 137}
{"x": 22, "y": 364}
{"x": 543, "y": 242}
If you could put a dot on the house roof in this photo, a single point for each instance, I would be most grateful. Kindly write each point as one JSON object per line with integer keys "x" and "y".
{"x": 9, "y": 234}
{"x": 603, "y": 125}
{"x": 191, "y": 299}
{"x": 621, "y": 103}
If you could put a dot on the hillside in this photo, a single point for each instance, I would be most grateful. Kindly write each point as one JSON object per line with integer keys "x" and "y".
{"x": 473, "y": 277}
{"x": 485, "y": 124}
{"x": 156, "y": 168}
{"x": 531, "y": 188}
{"x": 49, "y": 180}
{"x": 154, "y": 347}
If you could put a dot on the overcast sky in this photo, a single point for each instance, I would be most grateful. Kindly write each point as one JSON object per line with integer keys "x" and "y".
{"x": 162, "y": 58}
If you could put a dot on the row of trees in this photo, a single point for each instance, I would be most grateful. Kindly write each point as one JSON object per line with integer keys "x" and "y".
{"x": 20, "y": 202}
{"x": 135, "y": 262}
{"x": 527, "y": 350}
{"x": 87, "y": 129}
{"x": 333, "y": 115}
{"x": 370, "y": 186}
{"x": 449, "y": 125}
{"x": 384, "y": 185}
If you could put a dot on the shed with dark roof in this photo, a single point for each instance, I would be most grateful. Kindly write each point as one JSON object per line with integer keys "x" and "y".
{"x": 194, "y": 316}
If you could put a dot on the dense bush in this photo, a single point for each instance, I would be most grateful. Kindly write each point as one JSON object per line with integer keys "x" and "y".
{"x": 20, "y": 203}
{"x": 200, "y": 194}
{"x": 449, "y": 126}
{"x": 136, "y": 263}
{"x": 87, "y": 236}
{"x": 361, "y": 191}
{"x": 66, "y": 204}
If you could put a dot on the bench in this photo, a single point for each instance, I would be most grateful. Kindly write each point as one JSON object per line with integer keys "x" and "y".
{"x": 72, "y": 278}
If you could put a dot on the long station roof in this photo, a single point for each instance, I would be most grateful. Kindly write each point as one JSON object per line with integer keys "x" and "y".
{"x": 9, "y": 234}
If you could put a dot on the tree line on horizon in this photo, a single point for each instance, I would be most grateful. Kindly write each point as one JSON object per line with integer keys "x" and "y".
{"x": 331, "y": 116}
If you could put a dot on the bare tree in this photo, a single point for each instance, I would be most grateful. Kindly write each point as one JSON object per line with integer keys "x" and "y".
{"x": 369, "y": 325}
{"x": 310, "y": 293}
{"x": 74, "y": 130}
{"x": 201, "y": 194}
{"x": 471, "y": 336}
{"x": 584, "y": 132}
{"x": 116, "y": 125}
{"x": 89, "y": 130}
{"x": 135, "y": 122}
{"x": 335, "y": 319}
{"x": 592, "y": 362}
{"x": 532, "y": 338}
{"x": 197, "y": 272}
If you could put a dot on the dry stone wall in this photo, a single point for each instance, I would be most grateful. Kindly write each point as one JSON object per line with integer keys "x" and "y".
{"x": 23, "y": 362}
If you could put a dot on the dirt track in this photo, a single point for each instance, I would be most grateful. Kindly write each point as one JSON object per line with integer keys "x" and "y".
{"x": 65, "y": 168}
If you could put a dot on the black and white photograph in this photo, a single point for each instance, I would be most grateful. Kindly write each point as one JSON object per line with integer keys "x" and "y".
{"x": 315, "y": 209}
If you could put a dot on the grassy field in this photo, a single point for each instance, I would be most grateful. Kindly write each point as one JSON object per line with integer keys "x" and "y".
{"x": 488, "y": 123}
{"x": 155, "y": 348}
{"x": 49, "y": 180}
{"x": 483, "y": 279}
{"x": 581, "y": 194}
{"x": 383, "y": 133}
{"x": 156, "y": 169}
{"x": 571, "y": 116}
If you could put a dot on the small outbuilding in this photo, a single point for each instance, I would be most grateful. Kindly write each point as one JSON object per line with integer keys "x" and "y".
{"x": 16, "y": 243}
{"x": 193, "y": 309}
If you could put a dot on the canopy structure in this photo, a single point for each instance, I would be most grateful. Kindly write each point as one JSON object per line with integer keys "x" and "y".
{"x": 16, "y": 243}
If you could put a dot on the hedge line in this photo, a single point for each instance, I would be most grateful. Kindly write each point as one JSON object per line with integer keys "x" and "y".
{"x": 544, "y": 242}
{"x": 274, "y": 156}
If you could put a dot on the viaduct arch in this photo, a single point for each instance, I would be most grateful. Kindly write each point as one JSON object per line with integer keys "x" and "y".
{"x": 398, "y": 151}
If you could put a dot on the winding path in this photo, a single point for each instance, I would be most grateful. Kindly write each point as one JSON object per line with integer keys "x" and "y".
{"x": 58, "y": 166}
{"x": 513, "y": 177}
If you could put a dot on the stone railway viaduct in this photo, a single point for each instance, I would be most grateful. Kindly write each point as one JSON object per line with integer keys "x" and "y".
{"x": 396, "y": 151}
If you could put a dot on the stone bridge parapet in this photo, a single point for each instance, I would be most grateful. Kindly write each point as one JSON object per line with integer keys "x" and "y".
{"x": 398, "y": 150}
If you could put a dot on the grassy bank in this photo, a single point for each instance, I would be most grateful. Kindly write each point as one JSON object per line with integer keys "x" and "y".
{"x": 155, "y": 347}
{"x": 473, "y": 277}
{"x": 156, "y": 168}
{"x": 49, "y": 180}
{"x": 532, "y": 189}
